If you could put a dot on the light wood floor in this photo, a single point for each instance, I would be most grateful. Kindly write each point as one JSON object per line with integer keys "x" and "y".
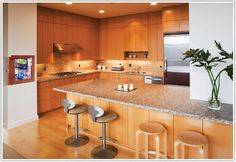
{"x": 44, "y": 139}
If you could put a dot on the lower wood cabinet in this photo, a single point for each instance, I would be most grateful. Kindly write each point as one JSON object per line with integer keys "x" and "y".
{"x": 185, "y": 123}
{"x": 166, "y": 120}
{"x": 220, "y": 138}
{"x": 136, "y": 116}
{"x": 123, "y": 129}
{"x": 119, "y": 127}
{"x": 48, "y": 99}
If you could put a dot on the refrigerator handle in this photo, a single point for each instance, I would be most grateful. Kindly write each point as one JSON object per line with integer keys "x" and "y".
{"x": 165, "y": 65}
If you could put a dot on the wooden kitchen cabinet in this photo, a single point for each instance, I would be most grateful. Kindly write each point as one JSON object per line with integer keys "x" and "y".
{"x": 87, "y": 122}
{"x": 136, "y": 116}
{"x": 167, "y": 121}
{"x": 136, "y": 32}
{"x": 135, "y": 38}
{"x": 220, "y": 139}
{"x": 176, "y": 19}
{"x": 88, "y": 41}
{"x": 44, "y": 42}
{"x": 119, "y": 127}
{"x": 187, "y": 123}
{"x": 44, "y": 14}
{"x": 60, "y": 33}
{"x": 111, "y": 44}
{"x": 48, "y": 99}
{"x": 155, "y": 42}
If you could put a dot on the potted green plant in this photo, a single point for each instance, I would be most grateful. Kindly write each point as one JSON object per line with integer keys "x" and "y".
{"x": 202, "y": 58}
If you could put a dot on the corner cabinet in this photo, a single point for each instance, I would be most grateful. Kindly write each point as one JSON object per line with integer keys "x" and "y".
{"x": 176, "y": 19}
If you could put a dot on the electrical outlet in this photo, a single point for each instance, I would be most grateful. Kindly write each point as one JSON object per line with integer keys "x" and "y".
{"x": 160, "y": 66}
{"x": 130, "y": 65}
{"x": 44, "y": 68}
{"x": 79, "y": 65}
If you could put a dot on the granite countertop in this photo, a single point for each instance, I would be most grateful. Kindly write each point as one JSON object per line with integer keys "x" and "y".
{"x": 164, "y": 98}
{"x": 45, "y": 78}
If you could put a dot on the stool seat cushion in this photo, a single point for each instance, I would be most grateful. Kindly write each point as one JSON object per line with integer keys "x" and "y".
{"x": 79, "y": 108}
{"x": 152, "y": 127}
{"x": 192, "y": 138}
{"x": 107, "y": 117}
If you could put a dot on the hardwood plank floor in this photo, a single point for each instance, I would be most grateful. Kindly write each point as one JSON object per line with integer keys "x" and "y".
{"x": 44, "y": 139}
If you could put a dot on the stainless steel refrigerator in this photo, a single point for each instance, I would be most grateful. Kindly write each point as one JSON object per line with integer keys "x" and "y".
{"x": 176, "y": 70}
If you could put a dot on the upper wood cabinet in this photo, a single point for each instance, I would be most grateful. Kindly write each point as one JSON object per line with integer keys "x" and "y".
{"x": 176, "y": 19}
{"x": 44, "y": 14}
{"x": 155, "y": 36}
{"x": 61, "y": 27}
{"x": 88, "y": 40}
{"x": 136, "y": 32}
{"x": 44, "y": 42}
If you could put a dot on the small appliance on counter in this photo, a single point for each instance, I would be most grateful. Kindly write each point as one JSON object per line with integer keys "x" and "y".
{"x": 117, "y": 68}
{"x": 153, "y": 80}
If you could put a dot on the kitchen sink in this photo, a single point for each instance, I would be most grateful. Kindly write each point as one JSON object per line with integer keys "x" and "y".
{"x": 68, "y": 73}
{"x": 136, "y": 72}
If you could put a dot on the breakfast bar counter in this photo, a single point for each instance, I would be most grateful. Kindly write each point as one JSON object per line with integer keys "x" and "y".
{"x": 164, "y": 98}
{"x": 167, "y": 104}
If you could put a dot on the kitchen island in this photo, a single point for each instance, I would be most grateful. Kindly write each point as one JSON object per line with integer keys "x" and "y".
{"x": 169, "y": 105}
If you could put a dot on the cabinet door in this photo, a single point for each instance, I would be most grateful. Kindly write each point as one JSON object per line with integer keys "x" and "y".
{"x": 72, "y": 34}
{"x": 86, "y": 119}
{"x": 171, "y": 26}
{"x": 119, "y": 127}
{"x": 220, "y": 140}
{"x": 160, "y": 44}
{"x": 153, "y": 42}
{"x": 88, "y": 40}
{"x": 45, "y": 42}
{"x": 141, "y": 38}
{"x": 40, "y": 42}
{"x": 166, "y": 120}
{"x": 44, "y": 95}
{"x": 60, "y": 33}
{"x": 103, "y": 47}
{"x": 184, "y": 25}
{"x": 129, "y": 38}
{"x": 186, "y": 123}
{"x": 136, "y": 116}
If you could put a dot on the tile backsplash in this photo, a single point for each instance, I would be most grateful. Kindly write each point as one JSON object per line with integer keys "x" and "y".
{"x": 147, "y": 66}
{"x": 44, "y": 69}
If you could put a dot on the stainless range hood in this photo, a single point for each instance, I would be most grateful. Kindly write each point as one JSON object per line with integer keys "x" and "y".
{"x": 62, "y": 48}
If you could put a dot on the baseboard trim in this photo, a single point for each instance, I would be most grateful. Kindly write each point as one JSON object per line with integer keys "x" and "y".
{"x": 20, "y": 122}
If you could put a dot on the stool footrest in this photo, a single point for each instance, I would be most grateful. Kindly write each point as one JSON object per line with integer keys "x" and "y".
{"x": 110, "y": 139}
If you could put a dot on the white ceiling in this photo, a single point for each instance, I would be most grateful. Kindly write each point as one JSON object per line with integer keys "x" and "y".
{"x": 111, "y": 9}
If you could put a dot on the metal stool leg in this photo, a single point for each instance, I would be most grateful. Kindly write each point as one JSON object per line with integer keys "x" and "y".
{"x": 76, "y": 140}
{"x": 104, "y": 151}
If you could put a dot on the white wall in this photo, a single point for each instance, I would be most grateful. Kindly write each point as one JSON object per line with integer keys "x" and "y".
{"x": 209, "y": 22}
{"x": 21, "y": 99}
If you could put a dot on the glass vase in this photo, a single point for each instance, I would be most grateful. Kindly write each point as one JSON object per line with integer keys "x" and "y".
{"x": 214, "y": 103}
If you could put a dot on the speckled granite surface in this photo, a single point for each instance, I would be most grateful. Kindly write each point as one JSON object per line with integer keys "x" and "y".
{"x": 163, "y": 98}
{"x": 53, "y": 77}
{"x": 84, "y": 72}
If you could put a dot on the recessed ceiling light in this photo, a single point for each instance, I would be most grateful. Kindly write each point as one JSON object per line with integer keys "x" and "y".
{"x": 101, "y": 11}
{"x": 153, "y": 3}
{"x": 68, "y": 3}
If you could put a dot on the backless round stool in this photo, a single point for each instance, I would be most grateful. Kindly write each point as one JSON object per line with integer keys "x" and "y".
{"x": 191, "y": 139}
{"x": 154, "y": 129}
{"x": 75, "y": 109}
{"x": 103, "y": 151}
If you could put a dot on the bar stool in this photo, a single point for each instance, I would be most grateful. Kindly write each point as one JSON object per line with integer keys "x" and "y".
{"x": 191, "y": 139}
{"x": 103, "y": 151}
{"x": 75, "y": 109}
{"x": 156, "y": 129}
